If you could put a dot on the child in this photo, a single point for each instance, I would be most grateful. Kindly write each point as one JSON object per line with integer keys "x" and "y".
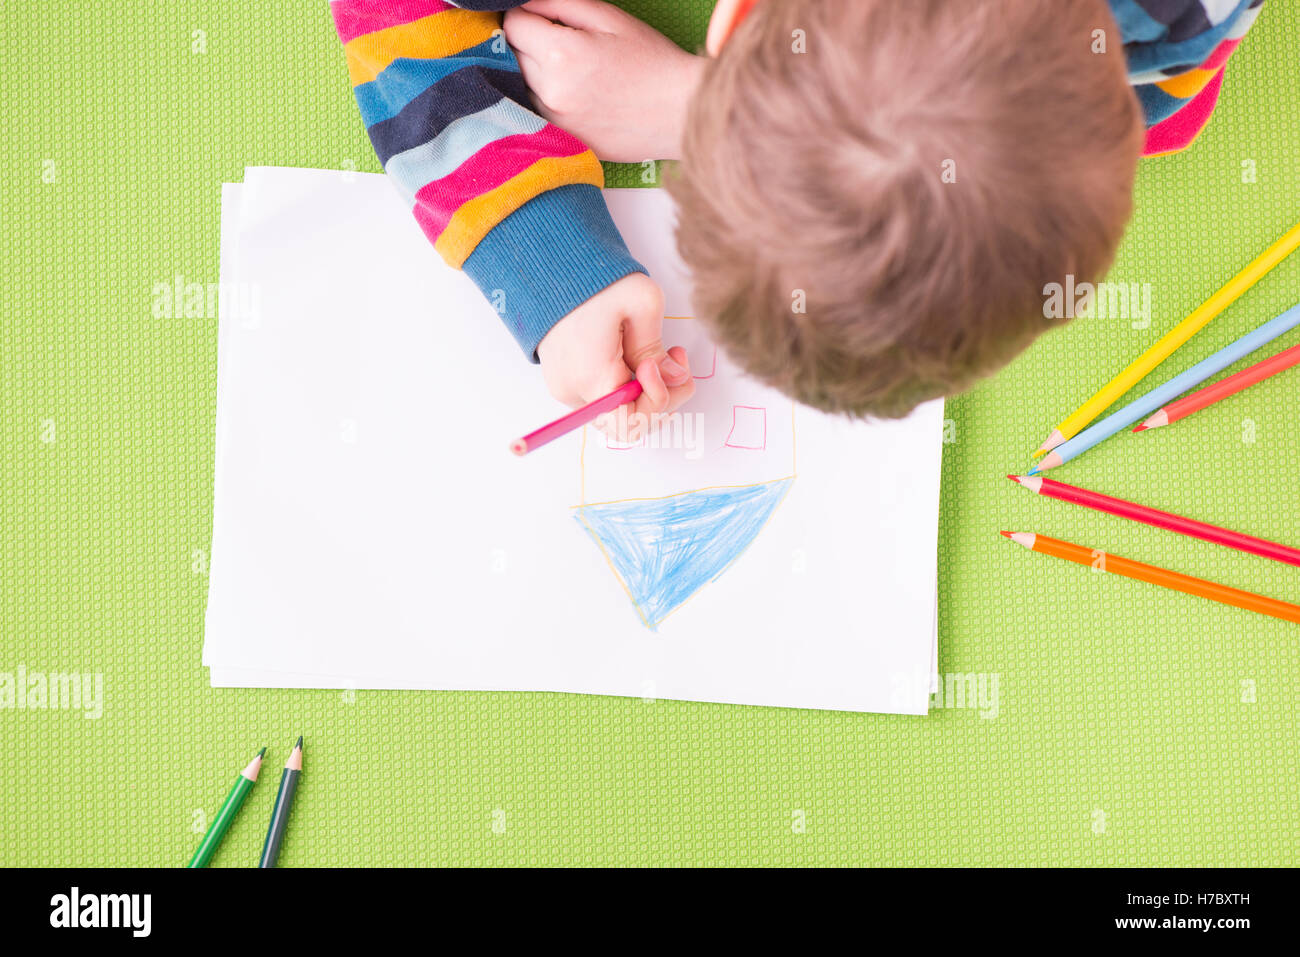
{"x": 873, "y": 193}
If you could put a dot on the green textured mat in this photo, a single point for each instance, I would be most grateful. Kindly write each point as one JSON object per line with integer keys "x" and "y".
{"x": 1133, "y": 726}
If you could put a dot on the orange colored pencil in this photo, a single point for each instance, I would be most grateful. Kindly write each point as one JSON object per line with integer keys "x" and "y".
{"x": 1221, "y": 390}
{"x": 1128, "y": 568}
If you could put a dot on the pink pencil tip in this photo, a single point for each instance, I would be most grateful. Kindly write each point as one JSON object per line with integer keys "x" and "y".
{"x": 1140, "y": 428}
{"x": 518, "y": 446}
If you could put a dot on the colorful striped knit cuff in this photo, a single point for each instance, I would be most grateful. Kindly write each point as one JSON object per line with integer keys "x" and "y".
{"x": 547, "y": 258}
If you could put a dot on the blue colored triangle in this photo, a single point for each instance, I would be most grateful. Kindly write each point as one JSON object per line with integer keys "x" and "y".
{"x": 667, "y": 549}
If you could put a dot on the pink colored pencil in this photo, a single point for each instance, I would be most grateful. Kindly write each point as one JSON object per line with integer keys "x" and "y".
{"x": 576, "y": 419}
{"x": 1166, "y": 520}
{"x": 1221, "y": 390}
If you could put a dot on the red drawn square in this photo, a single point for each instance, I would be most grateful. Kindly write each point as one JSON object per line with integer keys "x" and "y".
{"x": 713, "y": 366}
{"x": 748, "y": 428}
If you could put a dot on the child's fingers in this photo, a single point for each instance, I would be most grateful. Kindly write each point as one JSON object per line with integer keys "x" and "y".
{"x": 532, "y": 72}
{"x": 643, "y": 338}
{"x": 654, "y": 391}
{"x": 631, "y": 422}
{"x": 533, "y": 35}
{"x": 534, "y": 77}
{"x": 661, "y": 373}
{"x": 617, "y": 423}
{"x": 643, "y": 332}
{"x": 623, "y": 424}
{"x": 657, "y": 397}
{"x": 583, "y": 14}
{"x": 674, "y": 396}
{"x": 678, "y": 394}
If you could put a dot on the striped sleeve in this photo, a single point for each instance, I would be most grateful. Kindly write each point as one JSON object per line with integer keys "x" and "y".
{"x": 1176, "y": 52}
{"x": 510, "y": 198}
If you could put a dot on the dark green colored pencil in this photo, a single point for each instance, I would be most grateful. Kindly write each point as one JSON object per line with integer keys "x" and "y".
{"x": 283, "y": 805}
{"x": 221, "y": 823}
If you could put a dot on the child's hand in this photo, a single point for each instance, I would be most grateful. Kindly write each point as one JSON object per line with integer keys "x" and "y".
{"x": 614, "y": 82}
{"x": 597, "y": 347}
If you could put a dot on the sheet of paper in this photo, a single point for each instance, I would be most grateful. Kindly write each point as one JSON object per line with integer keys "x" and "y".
{"x": 373, "y": 531}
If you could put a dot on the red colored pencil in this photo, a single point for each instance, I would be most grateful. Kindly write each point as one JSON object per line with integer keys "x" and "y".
{"x": 576, "y": 419}
{"x": 1221, "y": 390}
{"x": 1166, "y": 520}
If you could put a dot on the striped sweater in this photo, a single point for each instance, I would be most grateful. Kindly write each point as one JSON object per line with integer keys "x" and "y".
{"x": 1176, "y": 52}
{"x": 516, "y": 202}
{"x": 501, "y": 193}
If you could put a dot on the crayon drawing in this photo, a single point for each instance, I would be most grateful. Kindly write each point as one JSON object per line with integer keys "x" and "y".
{"x": 668, "y": 518}
{"x": 665, "y": 550}
{"x": 699, "y": 564}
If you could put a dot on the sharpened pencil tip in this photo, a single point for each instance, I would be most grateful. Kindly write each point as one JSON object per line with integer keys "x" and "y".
{"x": 262, "y": 753}
{"x": 1006, "y": 534}
{"x": 1014, "y": 478}
{"x": 1033, "y": 471}
{"x": 299, "y": 744}
{"x": 1140, "y": 428}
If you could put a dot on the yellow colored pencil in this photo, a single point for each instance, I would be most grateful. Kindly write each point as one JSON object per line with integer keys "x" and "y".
{"x": 1077, "y": 420}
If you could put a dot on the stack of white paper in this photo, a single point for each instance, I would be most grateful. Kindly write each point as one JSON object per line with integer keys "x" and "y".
{"x": 372, "y": 529}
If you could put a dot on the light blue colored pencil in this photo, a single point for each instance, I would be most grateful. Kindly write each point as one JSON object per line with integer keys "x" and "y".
{"x": 1141, "y": 408}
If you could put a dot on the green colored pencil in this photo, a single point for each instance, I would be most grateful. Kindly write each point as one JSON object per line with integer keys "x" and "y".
{"x": 283, "y": 805}
{"x": 234, "y": 800}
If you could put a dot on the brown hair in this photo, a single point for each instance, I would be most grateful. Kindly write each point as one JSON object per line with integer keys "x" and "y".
{"x": 821, "y": 174}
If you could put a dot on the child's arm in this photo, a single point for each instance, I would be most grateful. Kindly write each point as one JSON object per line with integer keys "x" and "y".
{"x": 501, "y": 193}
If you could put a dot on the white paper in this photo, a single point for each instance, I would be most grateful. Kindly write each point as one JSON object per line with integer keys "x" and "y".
{"x": 372, "y": 529}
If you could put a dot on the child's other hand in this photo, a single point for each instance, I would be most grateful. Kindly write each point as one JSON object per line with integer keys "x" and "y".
{"x": 600, "y": 345}
{"x": 614, "y": 82}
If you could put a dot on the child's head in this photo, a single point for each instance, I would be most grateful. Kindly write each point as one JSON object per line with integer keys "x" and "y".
{"x": 875, "y": 192}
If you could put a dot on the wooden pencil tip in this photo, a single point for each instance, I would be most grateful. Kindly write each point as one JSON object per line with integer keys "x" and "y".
{"x": 1006, "y": 534}
{"x": 1157, "y": 421}
{"x": 299, "y": 744}
{"x": 1052, "y": 461}
{"x": 519, "y": 447}
{"x": 254, "y": 766}
{"x": 1014, "y": 478}
{"x": 1049, "y": 443}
